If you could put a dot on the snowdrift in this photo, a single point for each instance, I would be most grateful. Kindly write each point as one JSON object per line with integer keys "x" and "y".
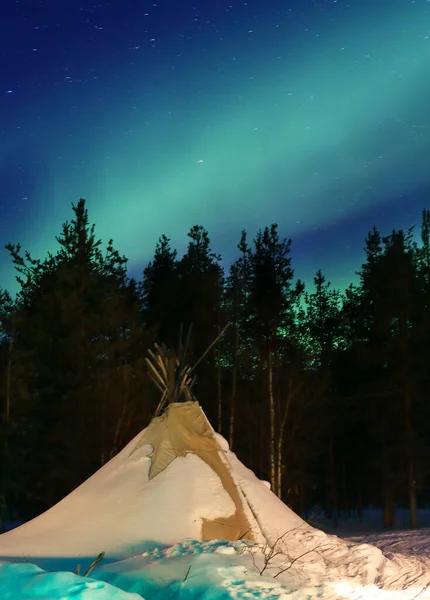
{"x": 177, "y": 481}
{"x": 124, "y": 508}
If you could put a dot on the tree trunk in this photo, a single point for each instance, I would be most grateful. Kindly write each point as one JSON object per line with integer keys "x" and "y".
{"x": 102, "y": 426}
{"x": 387, "y": 490}
{"x": 303, "y": 509}
{"x": 412, "y": 489}
{"x": 5, "y": 461}
{"x": 233, "y": 389}
{"x": 335, "y": 504}
{"x": 413, "y": 512}
{"x": 282, "y": 420}
{"x": 389, "y": 511}
{"x": 124, "y": 408}
{"x": 272, "y": 448}
{"x": 360, "y": 505}
{"x": 279, "y": 464}
{"x": 8, "y": 382}
{"x": 262, "y": 454}
{"x": 218, "y": 381}
{"x": 345, "y": 508}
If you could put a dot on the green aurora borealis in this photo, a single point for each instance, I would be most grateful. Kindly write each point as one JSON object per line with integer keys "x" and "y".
{"x": 316, "y": 118}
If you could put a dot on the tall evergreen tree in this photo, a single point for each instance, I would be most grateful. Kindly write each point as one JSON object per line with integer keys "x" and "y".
{"x": 160, "y": 293}
{"x": 201, "y": 303}
{"x": 322, "y": 321}
{"x": 237, "y": 305}
{"x": 66, "y": 322}
{"x": 398, "y": 302}
{"x": 323, "y": 338}
{"x": 388, "y": 301}
{"x": 272, "y": 298}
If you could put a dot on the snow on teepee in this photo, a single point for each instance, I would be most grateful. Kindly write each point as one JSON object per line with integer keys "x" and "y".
{"x": 177, "y": 479}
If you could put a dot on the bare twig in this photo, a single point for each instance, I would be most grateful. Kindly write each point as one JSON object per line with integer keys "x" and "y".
{"x": 210, "y": 347}
{"x": 295, "y": 559}
{"x": 95, "y": 562}
{"x": 270, "y": 553}
{"x": 427, "y": 585}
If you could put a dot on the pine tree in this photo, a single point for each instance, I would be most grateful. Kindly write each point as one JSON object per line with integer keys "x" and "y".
{"x": 398, "y": 303}
{"x": 201, "y": 308}
{"x": 323, "y": 325}
{"x": 389, "y": 297}
{"x": 66, "y": 323}
{"x": 323, "y": 338}
{"x": 237, "y": 305}
{"x": 159, "y": 293}
{"x": 273, "y": 299}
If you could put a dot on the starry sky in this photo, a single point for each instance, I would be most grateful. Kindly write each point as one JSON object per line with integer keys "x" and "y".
{"x": 168, "y": 113}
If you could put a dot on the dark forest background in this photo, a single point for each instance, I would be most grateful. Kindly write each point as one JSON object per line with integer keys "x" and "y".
{"x": 323, "y": 393}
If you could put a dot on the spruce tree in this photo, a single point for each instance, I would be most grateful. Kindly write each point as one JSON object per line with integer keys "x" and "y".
{"x": 273, "y": 300}
{"x": 66, "y": 325}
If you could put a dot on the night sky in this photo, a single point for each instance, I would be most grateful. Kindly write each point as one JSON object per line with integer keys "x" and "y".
{"x": 232, "y": 115}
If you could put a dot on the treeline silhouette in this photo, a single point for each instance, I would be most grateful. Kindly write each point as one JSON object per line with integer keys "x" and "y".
{"x": 324, "y": 393}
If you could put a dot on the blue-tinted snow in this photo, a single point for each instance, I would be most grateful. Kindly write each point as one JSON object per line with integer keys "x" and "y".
{"x": 211, "y": 570}
{"x": 24, "y": 581}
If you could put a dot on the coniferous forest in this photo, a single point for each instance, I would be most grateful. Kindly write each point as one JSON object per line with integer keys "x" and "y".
{"x": 324, "y": 393}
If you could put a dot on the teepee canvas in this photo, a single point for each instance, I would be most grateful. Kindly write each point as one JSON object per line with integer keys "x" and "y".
{"x": 177, "y": 479}
{"x": 184, "y": 429}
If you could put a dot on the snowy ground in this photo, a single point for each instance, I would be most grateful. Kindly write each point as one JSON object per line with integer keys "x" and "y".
{"x": 150, "y": 527}
{"x": 411, "y": 543}
{"x": 196, "y": 570}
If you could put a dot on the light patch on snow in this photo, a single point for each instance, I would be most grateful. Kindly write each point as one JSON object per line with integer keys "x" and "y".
{"x": 372, "y": 592}
{"x": 229, "y": 571}
{"x": 225, "y": 550}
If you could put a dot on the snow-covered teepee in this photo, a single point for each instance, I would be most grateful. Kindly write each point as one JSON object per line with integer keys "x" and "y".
{"x": 177, "y": 479}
